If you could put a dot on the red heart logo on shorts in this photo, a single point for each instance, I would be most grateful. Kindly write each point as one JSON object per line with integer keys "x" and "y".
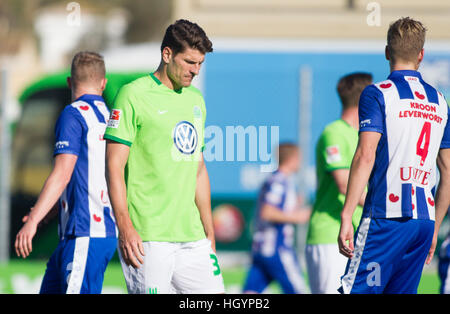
{"x": 393, "y": 198}
{"x": 85, "y": 108}
{"x": 385, "y": 85}
{"x": 96, "y": 218}
{"x": 412, "y": 191}
{"x": 430, "y": 201}
{"x": 419, "y": 95}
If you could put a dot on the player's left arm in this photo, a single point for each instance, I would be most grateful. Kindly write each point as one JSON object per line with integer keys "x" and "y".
{"x": 203, "y": 201}
{"x": 360, "y": 170}
{"x": 442, "y": 199}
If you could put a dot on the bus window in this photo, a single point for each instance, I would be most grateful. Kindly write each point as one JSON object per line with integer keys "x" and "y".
{"x": 32, "y": 149}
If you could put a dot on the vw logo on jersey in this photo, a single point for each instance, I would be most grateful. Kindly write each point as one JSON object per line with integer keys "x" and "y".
{"x": 185, "y": 137}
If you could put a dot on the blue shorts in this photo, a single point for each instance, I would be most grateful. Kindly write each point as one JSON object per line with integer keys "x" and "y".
{"x": 282, "y": 267}
{"x": 444, "y": 267}
{"x": 389, "y": 256}
{"x": 78, "y": 266}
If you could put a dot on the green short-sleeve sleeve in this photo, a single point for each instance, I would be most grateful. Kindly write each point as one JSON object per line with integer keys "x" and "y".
{"x": 334, "y": 152}
{"x": 122, "y": 123}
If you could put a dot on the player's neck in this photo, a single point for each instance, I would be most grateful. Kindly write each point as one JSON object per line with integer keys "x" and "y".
{"x": 77, "y": 93}
{"x": 285, "y": 170}
{"x": 350, "y": 116}
{"x": 400, "y": 66}
{"x": 161, "y": 75}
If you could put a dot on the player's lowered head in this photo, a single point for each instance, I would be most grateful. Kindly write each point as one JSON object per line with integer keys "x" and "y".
{"x": 289, "y": 158}
{"x": 87, "y": 74}
{"x": 349, "y": 89}
{"x": 183, "y": 51}
{"x": 405, "y": 41}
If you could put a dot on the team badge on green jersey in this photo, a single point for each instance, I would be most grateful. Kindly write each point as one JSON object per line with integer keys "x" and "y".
{"x": 197, "y": 112}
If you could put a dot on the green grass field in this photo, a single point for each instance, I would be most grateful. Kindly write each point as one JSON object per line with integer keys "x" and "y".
{"x": 25, "y": 277}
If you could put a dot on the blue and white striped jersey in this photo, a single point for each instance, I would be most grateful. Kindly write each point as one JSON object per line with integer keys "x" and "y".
{"x": 279, "y": 191}
{"x": 412, "y": 117}
{"x": 84, "y": 207}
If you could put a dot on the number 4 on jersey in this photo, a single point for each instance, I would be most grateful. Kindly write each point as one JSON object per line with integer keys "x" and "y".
{"x": 424, "y": 142}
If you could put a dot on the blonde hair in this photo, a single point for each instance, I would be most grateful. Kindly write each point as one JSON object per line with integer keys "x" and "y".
{"x": 405, "y": 39}
{"x": 87, "y": 67}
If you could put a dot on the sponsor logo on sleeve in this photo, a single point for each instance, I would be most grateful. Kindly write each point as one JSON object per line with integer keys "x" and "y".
{"x": 333, "y": 154}
{"x": 114, "y": 120}
{"x": 61, "y": 144}
{"x": 365, "y": 123}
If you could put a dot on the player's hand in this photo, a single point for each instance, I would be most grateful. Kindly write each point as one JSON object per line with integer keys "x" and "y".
{"x": 302, "y": 215}
{"x": 432, "y": 249}
{"x": 130, "y": 244}
{"x": 346, "y": 234}
{"x": 24, "y": 238}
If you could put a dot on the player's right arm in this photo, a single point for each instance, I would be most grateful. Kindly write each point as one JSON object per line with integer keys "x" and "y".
{"x": 130, "y": 243}
{"x": 370, "y": 134}
{"x": 360, "y": 171}
{"x": 52, "y": 190}
{"x": 68, "y": 133}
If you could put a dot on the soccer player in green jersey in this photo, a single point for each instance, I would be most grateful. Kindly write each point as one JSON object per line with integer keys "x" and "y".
{"x": 159, "y": 185}
{"x": 334, "y": 154}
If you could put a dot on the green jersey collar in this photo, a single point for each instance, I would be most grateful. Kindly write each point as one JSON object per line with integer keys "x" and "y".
{"x": 157, "y": 81}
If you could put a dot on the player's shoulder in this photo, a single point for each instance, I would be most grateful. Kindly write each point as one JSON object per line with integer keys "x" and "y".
{"x": 141, "y": 83}
{"x": 275, "y": 178}
{"x": 193, "y": 91}
{"x": 334, "y": 128}
{"x": 378, "y": 88}
{"x": 71, "y": 114}
{"x": 73, "y": 109}
{"x": 130, "y": 92}
{"x": 440, "y": 96}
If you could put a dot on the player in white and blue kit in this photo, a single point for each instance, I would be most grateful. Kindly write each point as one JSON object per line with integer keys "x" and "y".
{"x": 404, "y": 129}
{"x": 274, "y": 256}
{"x": 87, "y": 229}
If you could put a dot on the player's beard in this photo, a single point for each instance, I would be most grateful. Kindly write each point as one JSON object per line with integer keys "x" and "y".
{"x": 187, "y": 81}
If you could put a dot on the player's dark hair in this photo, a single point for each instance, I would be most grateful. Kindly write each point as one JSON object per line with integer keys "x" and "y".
{"x": 87, "y": 67}
{"x": 405, "y": 39}
{"x": 183, "y": 34}
{"x": 350, "y": 87}
{"x": 285, "y": 150}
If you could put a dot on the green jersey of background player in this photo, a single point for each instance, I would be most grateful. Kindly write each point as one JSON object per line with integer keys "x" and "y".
{"x": 159, "y": 185}
{"x": 334, "y": 154}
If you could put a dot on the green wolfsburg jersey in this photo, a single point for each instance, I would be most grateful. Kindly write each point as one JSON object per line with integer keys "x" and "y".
{"x": 165, "y": 131}
{"x": 334, "y": 150}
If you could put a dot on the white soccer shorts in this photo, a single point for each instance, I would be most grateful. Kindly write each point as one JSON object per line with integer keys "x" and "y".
{"x": 325, "y": 267}
{"x": 175, "y": 267}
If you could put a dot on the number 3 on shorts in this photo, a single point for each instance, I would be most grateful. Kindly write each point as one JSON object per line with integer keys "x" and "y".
{"x": 216, "y": 271}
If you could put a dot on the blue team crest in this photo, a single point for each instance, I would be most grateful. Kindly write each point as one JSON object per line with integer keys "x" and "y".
{"x": 185, "y": 137}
